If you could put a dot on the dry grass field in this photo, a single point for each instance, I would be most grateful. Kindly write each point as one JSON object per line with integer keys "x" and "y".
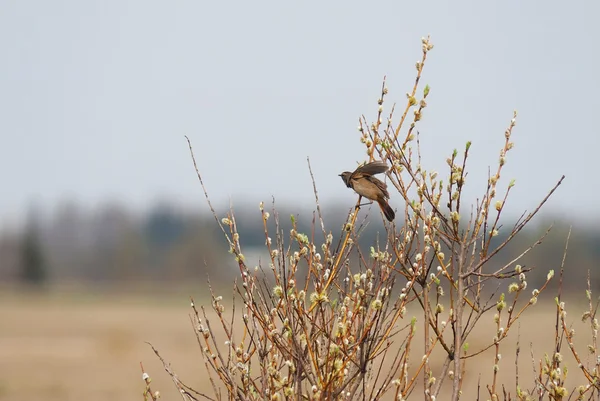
{"x": 87, "y": 346}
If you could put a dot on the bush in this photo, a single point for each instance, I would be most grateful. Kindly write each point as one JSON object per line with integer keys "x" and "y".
{"x": 324, "y": 319}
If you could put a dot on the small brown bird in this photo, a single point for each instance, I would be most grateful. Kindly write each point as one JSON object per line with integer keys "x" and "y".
{"x": 363, "y": 183}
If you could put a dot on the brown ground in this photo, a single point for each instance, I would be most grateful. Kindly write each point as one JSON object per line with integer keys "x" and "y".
{"x": 76, "y": 347}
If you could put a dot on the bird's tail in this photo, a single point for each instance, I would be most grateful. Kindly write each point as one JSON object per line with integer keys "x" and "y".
{"x": 386, "y": 209}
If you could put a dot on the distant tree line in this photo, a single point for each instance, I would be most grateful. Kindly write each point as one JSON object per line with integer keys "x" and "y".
{"x": 114, "y": 245}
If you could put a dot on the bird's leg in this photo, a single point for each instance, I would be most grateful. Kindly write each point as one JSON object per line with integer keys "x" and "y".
{"x": 365, "y": 204}
{"x": 358, "y": 204}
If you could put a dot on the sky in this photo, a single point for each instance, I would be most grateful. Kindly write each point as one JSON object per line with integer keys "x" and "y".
{"x": 96, "y": 97}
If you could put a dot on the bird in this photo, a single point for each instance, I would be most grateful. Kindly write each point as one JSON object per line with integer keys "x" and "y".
{"x": 363, "y": 183}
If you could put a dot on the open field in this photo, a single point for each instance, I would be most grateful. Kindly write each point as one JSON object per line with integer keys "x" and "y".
{"x": 88, "y": 347}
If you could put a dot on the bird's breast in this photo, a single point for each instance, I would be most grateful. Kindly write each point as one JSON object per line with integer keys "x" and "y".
{"x": 366, "y": 188}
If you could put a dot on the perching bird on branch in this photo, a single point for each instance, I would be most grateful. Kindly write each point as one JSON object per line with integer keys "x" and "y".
{"x": 363, "y": 183}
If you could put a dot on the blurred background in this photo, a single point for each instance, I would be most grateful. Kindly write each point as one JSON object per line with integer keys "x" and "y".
{"x": 104, "y": 229}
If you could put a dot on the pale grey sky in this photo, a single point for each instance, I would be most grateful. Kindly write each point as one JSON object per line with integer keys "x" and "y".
{"x": 96, "y": 96}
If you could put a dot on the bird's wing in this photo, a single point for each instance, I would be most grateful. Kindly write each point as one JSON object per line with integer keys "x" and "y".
{"x": 381, "y": 185}
{"x": 372, "y": 168}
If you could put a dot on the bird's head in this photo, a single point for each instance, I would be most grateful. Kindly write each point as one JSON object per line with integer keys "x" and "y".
{"x": 346, "y": 178}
